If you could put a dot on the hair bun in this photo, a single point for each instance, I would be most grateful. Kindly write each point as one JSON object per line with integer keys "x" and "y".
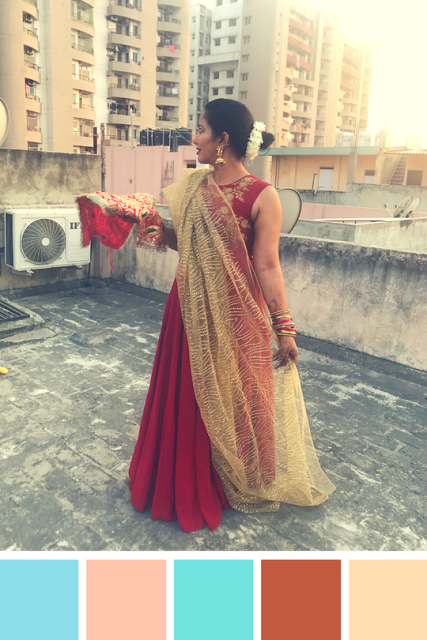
{"x": 267, "y": 140}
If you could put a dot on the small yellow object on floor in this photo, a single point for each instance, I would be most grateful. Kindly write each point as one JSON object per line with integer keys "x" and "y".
{"x": 3, "y": 370}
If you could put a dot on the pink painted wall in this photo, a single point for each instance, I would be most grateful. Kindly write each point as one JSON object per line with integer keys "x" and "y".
{"x": 145, "y": 169}
{"x": 313, "y": 211}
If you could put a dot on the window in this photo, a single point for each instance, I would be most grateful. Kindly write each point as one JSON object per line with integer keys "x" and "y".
{"x": 191, "y": 85}
{"x": 191, "y": 117}
{"x": 191, "y": 101}
{"x": 232, "y": 22}
{"x": 246, "y": 39}
{"x": 194, "y": 18}
{"x": 218, "y": 24}
{"x": 135, "y": 30}
{"x": 192, "y": 53}
{"x": 243, "y": 94}
{"x": 206, "y": 72}
{"x": 216, "y": 75}
{"x": 135, "y": 57}
{"x": 245, "y": 58}
{"x": 230, "y": 73}
{"x": 231, "y": 1}
{"x": 218, "y": 3}
{"x": 248, "y": 20}
{"x": 232, "y": 40}
{"x": 215, "y": 92}
{"x": 217, "y": 42}
{"x": 229, "y": 90}
{"x": 192, "y": 69}
{"x": 245, "y": 76}
{"x": 193, "y": 36}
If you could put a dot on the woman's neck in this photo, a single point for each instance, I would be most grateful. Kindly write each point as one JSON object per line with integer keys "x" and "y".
{"x": 229, "y": 171}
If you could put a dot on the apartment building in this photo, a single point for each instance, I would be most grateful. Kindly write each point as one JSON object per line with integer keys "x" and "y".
{"x": 294, "y": 68}
{"x": 70, "y": 66}
{"x": 200, "y": 48}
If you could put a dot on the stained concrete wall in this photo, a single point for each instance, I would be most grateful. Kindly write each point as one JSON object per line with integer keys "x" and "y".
{"x": 399, "y": 235}
{"x": 364, "y": 298}
{"x": 40, "y": 179}
{"x": 373, "y": 196}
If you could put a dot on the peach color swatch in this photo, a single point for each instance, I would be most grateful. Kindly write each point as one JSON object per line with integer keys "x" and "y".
{"x": 126, "y": 599}
{"x": 388, "y": 599}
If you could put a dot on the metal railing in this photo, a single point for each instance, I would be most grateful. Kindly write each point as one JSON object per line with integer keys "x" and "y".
{"x": 126, "y": 5}
{"x": 167, "y": 93}
{"x": 33, "y": 127}
{"x": 79, "y": 76}
{"x": 133, "y": 87}
{"x": 117, "y": 59}
{"x": 31, "y": 32}
{"x": 163, "y": 70}
{"x": 31, "y": 64}
{"x": 164, "y": 18}
{"x": 82, "y": 106}
{"x": 32, "y": 97}
{"x": 124, "y": 112}
{"x": 83, "y": 134}
{"x": 166, "y": 45}
{"x": 129, "y": 35}
{"x": 81, "y": 18}
{"x": 80, "y": 47}
{"x": 167, "y": 118}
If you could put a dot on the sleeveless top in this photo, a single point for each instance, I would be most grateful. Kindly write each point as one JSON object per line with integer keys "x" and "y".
{"x": 241, "y": 195}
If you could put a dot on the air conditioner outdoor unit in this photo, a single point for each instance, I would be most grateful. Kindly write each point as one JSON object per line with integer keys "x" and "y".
{"x": 43, "y": 239}
{"x": 28, "y": 17}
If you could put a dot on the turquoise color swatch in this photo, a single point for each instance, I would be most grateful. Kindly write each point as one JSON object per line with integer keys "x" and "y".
{"x": 213, "y": 599}
{"x": 39, "y": 599}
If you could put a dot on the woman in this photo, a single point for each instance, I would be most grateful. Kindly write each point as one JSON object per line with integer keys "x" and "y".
{"x": 220, "y": 425}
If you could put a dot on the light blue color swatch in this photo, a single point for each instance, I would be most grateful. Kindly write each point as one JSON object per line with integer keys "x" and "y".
{"x": 213, "y": 599}
{"x": 39, "y": 599}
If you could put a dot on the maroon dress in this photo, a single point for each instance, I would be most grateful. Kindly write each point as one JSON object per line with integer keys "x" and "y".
{"x": 171, "y": 469}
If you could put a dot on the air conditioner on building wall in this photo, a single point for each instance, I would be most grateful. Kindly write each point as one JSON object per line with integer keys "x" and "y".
{"x": 43, "y": 239}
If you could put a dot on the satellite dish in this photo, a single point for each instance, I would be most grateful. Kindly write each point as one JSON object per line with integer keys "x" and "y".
{"x": 402, "y": 208}
{"x": 291, "y": 208}
{"x": 413, "y": 206}
{"x": 4, "y": 121}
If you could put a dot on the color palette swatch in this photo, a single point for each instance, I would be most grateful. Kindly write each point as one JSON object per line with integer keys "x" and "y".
{"x": 39, "y": 599}
{"x": 301, "y": 599}
{"x": 126, "y": 599}
{"x": 213, "y": 599}
{"x": 388, "y": 599}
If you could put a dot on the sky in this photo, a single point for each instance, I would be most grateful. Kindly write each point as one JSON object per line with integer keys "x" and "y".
{"x": 398, "y": 31}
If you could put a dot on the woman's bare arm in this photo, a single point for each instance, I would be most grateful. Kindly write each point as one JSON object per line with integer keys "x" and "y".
{"x": 266, "y": 263}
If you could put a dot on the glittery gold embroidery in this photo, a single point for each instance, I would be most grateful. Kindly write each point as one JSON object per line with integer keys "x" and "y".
{"x": 237, "y": 190}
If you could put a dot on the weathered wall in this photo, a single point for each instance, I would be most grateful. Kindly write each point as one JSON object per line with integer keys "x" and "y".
{"x": 368, "y": 299}
{"x": 40, "y": 179}
{"x": 373, "y": 196}
{"x": 399, "y": 235}
{"x": 364, "y": 298}
{"x": 298, "y": 172}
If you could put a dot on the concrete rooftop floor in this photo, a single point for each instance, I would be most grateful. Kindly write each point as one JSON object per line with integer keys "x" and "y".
{"x": 70, "y": 409}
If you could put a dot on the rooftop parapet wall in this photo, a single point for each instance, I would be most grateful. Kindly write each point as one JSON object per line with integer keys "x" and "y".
{"x": 363, "y": 298}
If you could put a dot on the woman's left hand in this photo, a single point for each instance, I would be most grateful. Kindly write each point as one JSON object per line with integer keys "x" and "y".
{"x": 288, "y": 349}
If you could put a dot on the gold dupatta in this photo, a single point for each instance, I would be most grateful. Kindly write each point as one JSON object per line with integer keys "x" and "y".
{"x": 254, "y": 414}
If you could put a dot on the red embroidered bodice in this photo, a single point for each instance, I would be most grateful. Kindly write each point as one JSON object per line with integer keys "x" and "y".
{"x": 241, "y": 195}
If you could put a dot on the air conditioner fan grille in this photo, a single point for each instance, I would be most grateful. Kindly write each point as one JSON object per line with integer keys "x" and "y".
{"x": 43, "y": 241}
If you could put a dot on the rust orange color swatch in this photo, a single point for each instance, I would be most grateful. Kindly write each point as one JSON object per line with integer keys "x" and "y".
{"x": 388, "y": 599}
{"x": 301, "y": 599}
{"x": 126, "y": 599}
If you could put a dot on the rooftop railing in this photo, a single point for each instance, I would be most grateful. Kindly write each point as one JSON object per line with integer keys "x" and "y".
{"x": 82, "y": 18}
{"x": 82, "y": 47}
{"x": 31, "y": 32}
{"x": 81, "y": 76}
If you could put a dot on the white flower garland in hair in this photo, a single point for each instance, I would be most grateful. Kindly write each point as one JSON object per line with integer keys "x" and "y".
{"x": 255, "y": 140}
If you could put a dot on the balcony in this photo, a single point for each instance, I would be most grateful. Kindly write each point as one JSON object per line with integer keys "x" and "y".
{"x": 122, "y": 117}
{"x": 34, "y": 103}
{"x": 172, "y": 25}
{"x": 299, "y": 44}
{"x": 128, "y": 93}
{"x": 83, "y": 23}
{"x": 124, "y": 10}
{"x": 302, "y": 64}
{"x": 30, "y": 6}
{"x": 169, "y": 50}
{"x": 84, "y": 111}
{"x": 301, "y": 97}
{"x": 167, "y": 75}
{"x": 345, "y": 84}
{"x": 296, "y": 24}
{"x": 128, "y": 40}
{"x": 346, "y": 68}
{"x": 30, "y": 38}
{"x": 169, "y": 100}
{"x": 114, "y": 141}
{"x": 32, "y": 71}
{"x": 176, "y": 4}
{"x": 83, "y": 82}
{"x": 123, "y": 66}
{"x": 83, "y": 52}
{"x": 326, "y": 55}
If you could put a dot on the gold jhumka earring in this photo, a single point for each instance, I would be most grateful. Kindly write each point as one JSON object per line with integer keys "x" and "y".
{"x": 220, "y": 159}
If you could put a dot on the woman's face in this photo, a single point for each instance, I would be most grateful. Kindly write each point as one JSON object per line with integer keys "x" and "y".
{"x": 205, "y": 144}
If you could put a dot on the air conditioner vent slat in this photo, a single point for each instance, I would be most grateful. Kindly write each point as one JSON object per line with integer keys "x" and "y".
{"x": 43, "y": 241}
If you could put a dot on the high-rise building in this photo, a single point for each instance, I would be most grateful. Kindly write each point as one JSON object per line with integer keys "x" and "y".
{"x": 294, "y": 68}
{"x": 69, "y": 66}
